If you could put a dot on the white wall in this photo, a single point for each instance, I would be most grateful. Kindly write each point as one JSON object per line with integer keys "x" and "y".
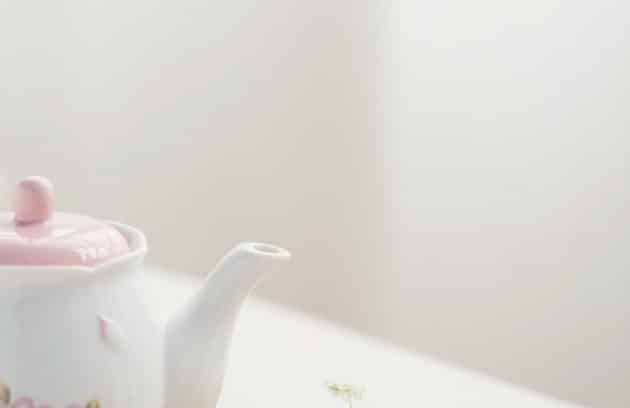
{"x": 510, "y": 184}
{"x": 450, "y": 176}
{"x": 207, "y": 123}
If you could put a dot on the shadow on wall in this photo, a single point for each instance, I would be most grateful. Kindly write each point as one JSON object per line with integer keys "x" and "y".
{"x": 276, "y": 138}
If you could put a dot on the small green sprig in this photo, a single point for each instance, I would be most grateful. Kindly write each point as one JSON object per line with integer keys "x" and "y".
{"x": 347, "y": 392}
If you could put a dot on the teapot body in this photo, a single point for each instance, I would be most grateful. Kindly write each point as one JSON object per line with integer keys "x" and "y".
{"x": 86, "y": 340}
{"x": 75, "y": 331}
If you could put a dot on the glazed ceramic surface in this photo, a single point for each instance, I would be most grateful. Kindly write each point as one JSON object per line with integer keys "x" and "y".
{"x": 75, "y": 332}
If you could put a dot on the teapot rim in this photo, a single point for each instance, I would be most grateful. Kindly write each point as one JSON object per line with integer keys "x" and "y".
{"x": 33, "y": 274}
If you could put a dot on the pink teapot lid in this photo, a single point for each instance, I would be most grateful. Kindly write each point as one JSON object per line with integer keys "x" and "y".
{"x": 34, "y": 234}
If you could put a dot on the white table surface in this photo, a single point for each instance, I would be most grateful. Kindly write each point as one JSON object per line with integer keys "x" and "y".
{"x": 283, "y": 359}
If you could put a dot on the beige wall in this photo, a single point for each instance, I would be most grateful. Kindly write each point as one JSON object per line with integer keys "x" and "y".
{"x": 451, "y": 176}
{"x": 510, "y": 184}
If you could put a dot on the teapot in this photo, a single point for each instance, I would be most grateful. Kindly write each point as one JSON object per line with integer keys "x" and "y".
{"x": 74, "y": 330}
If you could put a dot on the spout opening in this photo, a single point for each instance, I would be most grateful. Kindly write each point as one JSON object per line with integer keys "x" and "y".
{"x": 268, "y": 250}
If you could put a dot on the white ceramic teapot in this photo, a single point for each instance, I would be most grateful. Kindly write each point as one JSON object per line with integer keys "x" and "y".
{"x": 74, "y": 331}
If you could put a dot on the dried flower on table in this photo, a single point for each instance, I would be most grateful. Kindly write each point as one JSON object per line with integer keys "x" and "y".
{"x": 348, "y": 392}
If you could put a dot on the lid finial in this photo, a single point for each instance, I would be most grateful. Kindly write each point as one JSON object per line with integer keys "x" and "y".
{"x": 33, "y": 200}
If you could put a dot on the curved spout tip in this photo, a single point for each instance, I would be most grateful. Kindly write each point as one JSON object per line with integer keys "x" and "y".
{"x": 265, "y": 250}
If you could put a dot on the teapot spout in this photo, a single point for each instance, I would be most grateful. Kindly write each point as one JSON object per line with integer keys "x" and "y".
{"x": 199, "y": 336}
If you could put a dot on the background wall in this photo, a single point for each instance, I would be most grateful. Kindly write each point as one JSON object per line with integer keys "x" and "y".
{"x": 510, "y": 180}
{"x": 449, "y": 176}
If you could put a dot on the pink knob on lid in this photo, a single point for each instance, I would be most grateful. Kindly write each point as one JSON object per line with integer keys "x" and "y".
{"x": 33, "y": 200}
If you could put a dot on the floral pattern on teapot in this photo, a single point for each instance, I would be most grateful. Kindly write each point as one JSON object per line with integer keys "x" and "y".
{"x": 26, "y": 402}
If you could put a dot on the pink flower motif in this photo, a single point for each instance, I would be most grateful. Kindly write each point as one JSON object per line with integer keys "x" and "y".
{"x": 23, "y": 402}
{"x": 26, "y": 402}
